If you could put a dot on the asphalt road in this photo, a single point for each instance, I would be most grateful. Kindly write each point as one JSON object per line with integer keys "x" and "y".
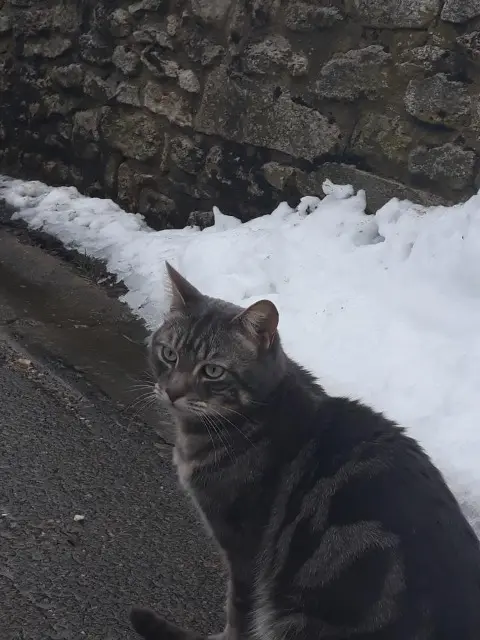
{"x": 63, "y": 455}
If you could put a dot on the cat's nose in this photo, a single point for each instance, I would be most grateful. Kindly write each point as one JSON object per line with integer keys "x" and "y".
{"x": 174, "y": 393}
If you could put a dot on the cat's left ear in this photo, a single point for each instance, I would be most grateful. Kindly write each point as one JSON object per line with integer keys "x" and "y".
{"x": 183, "y": 293}
{"x": 261, "y": 321}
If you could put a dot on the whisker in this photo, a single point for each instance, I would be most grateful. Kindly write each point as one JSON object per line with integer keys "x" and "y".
{"x": 202, "y": 417}
{"x": 139, "y": 399}
{"x": 222, "y": 437}
{"x": 147, "y": 377}
{"x": 141, "y": 403}
{"x": 205, "y": 423}
{"x": 233, "y": 424}
{"x": 139, "y": 387}
{"x": 148, "y": 402}
{"x": 143, "y": 399}
{"x": 237, "y": 413}
{"x": 210, "y": 419}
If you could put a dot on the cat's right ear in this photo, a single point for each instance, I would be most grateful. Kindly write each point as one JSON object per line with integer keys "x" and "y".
{"x": 260, "y": 320}
{"x": 182, "y": 292}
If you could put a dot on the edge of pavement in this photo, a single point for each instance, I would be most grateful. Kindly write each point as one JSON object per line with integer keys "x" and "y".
{"x": 59, "y": 315}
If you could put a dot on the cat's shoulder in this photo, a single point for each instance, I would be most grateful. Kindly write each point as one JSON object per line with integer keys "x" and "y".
{"x": 347, "y": 424}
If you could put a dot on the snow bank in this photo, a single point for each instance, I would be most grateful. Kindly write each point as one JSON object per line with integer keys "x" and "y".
{"x": 383, "y": 308}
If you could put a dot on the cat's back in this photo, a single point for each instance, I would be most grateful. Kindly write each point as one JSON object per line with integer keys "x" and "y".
{"x": 366, "y": 540}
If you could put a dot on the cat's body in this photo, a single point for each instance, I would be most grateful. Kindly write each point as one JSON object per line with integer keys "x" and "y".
{"x": 333, "y": 523}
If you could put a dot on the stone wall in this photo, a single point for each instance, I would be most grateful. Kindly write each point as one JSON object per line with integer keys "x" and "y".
{"x": 170, "y": 106}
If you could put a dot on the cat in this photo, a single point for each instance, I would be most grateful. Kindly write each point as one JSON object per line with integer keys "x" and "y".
{"x": 334, "y": 524}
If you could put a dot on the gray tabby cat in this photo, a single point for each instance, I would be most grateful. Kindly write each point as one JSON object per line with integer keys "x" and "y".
{"x": 333, "y": 523}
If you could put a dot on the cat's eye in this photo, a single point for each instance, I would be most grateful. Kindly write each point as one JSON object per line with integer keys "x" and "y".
{"x": 169, "y": 355}
{"x": 213, "y": 371}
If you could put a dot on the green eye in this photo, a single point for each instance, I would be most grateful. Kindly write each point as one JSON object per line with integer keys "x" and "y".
{"x": 169, "y": 355}
{"x": 213, "y": 371}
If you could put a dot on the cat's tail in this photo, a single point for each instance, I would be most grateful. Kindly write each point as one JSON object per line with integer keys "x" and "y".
{"x": 151, "y": 626}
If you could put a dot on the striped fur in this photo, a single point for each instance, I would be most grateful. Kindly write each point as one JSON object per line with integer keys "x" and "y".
{"x": 333, "y": 522}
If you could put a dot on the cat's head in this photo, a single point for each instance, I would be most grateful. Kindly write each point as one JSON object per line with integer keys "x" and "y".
{"x": 213, "y": 358}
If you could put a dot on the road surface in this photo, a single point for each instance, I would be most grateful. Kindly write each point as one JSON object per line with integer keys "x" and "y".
{"x": 91, "y": 518}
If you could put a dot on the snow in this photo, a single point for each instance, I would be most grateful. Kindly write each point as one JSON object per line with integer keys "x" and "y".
{"x": 382, "y": 308}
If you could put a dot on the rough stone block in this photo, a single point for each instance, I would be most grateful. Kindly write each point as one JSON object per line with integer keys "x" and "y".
{"x": 52, "y": 47}
{"x": 398, "y": 14}
{"x": 214, "y": 165}
{"x": 86, "y": 124}
{"x": 94, "y": 49}
{"x": 211, "y": 11}
{"x": 197, "y": 190}
{"x": 55, "y": 104}
{"x": 186, "y": 155}
{"x": 201, "y": 219}
{"x": 264, "y": 11}
{"x": 304, "y": 16}
{"x": 429, "y": 58}
{"x": 153, "y": 203}
{"x": 162, "y": 38}
{"x": 135, "y": 134}
{"x": 120, "y": 23}
{"x": 357, "y": 73}
{"x": 173, "y": 24}
{"x": 382, "y": 136}
{"x": 24, "y": 3}
{"x": 128, "y": 93}
{"x": 271, "y": 54}
{"x": 153, "y": 34}
{"x": 278, "y": 175}
{"x": 70, "y": 76}
{"x": 262, "y": 56}
{"x": 100, "y": 17}
{"x": 438, "y": 100}
{"x": 5, "y": 24}
{"x": 378, "y": 190}
{"x": 202, "y": 50}
{"x": 143, "y": 36}
{"x": 111, "y": 173}
{"x": 239, "y": 21}
{"x": 470, "y": 43}
{"x": 129, "y": 181}
{"x": 407, "y": 39}
{"x": 126, "y": 60}
{"x": 211, "y": 54}
{"x": 258, "y": 114}
{"x": 146, "y": 5}
{"x": 298, "y": 65}
{"x": 167, "y": 103}
{"x": 64, "y": 130}
{"x": 449, "y": 164}
{"x": 64, "y": 19}
{"x": 98, "y": 88}
{"x": 188, "y": 81}
{"x": 155, "y": 61}
{"x": 459, "y": 11}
